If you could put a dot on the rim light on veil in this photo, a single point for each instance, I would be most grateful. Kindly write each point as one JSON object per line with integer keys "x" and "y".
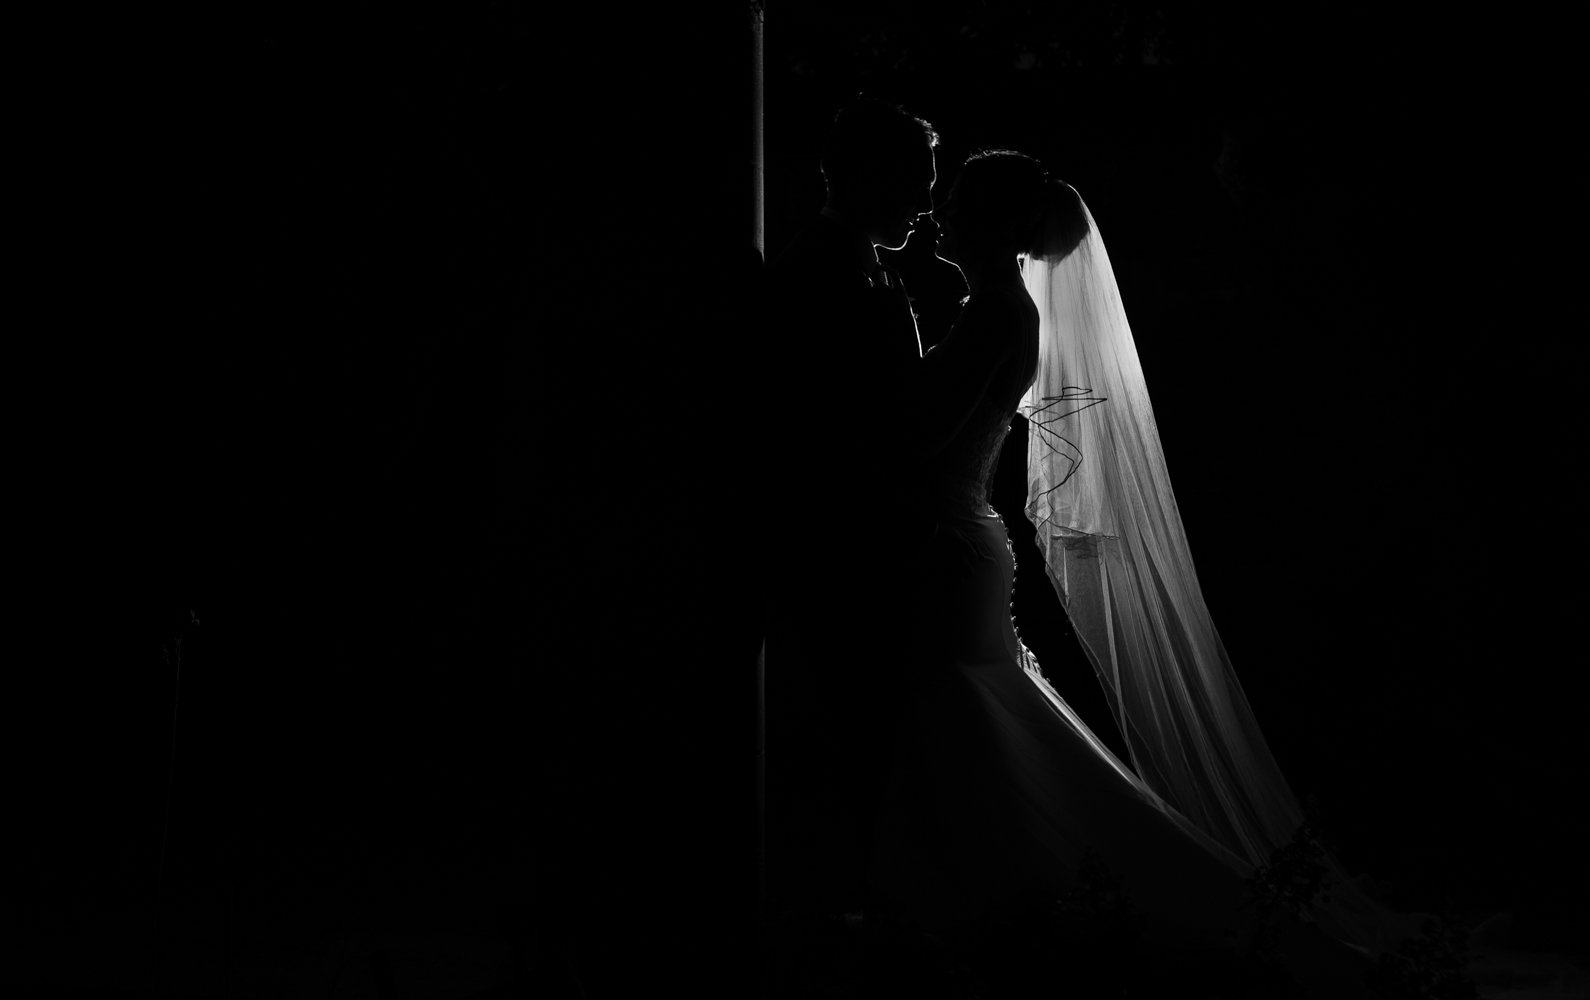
{"x": 1114, "y": 548}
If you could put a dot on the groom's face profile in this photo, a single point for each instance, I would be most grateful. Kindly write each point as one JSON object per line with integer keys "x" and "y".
{"x": 887, "y": 202}
{"x": 902, "y": 198}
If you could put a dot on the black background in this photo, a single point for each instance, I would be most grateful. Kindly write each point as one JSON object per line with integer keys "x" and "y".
{"x": 405, "y": 350}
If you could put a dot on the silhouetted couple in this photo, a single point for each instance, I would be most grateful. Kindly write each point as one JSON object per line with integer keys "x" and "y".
{"x": 884, "y": 460}
{"x": 919, "y": 767}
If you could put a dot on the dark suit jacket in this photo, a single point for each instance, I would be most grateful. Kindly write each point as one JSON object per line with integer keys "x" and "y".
{"x": 840, "y": 384}
{"x": 845, "y": 364}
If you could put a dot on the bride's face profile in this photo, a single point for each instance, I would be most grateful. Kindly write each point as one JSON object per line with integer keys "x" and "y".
{"x": 977, "y": 225}
{"x": 947, "y": 248}
{"x": 962, "y": 236}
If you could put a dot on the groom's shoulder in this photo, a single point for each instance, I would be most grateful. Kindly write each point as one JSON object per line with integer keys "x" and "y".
{"x": 818, "y": 247}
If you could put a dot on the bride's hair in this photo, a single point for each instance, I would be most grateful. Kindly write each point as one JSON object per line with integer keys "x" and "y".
{"x": 1011, "y": 192}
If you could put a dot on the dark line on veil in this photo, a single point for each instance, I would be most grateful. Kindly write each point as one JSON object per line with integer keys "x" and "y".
{"x": 1062, "y": 437}
{"x": 1076, "y": 463}
{"x": 1068, "y": 394}
{"x": 1068, "y": 397}
{"x": 1069, "y": 473}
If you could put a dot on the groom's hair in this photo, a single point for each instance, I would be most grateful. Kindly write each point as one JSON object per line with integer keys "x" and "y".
{"x": 870, "y": 139}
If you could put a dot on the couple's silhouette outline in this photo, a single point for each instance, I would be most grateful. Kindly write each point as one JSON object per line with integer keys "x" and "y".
{"x": 849, "y": 606}
{"x": 922, "y": 774}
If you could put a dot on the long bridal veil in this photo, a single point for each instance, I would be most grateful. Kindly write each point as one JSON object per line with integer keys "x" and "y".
{"x": 1114, "y": 548}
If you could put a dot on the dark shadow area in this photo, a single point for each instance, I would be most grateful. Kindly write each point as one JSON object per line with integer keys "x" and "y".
{"x": 392, "y": 349}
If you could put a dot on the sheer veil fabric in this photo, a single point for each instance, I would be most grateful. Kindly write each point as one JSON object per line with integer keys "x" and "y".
{"x": 1115, "y": 550}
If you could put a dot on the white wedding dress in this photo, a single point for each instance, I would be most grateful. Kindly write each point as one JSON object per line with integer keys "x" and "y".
{"x": 997, "y": 789}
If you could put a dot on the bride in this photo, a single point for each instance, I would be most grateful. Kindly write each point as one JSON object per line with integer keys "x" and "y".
{"x": 997, "y": 791}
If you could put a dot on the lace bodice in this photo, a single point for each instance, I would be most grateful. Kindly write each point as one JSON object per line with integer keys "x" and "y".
{"x": 958, "y": 477}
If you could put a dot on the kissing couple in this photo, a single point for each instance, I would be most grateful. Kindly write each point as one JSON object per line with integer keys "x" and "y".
{"x": 921, "y": 771}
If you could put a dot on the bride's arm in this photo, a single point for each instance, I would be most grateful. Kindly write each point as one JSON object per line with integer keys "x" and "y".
{"x": 956, "y": 373}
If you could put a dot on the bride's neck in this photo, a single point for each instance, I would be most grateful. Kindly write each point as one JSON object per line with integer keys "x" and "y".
{"x": 1002, "y": 271}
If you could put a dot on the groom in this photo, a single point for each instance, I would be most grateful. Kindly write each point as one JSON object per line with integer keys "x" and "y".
{"x": 848, "y": 351}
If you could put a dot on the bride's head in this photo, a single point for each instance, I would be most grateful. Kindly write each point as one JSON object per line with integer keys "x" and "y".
{"x": 1004, "y": 204}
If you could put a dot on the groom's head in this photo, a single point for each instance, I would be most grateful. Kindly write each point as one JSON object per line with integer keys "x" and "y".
{"x": 878, "y": 162}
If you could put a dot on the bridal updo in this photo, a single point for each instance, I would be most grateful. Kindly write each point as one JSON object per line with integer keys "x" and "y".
{"x": 1007, "y": 197}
